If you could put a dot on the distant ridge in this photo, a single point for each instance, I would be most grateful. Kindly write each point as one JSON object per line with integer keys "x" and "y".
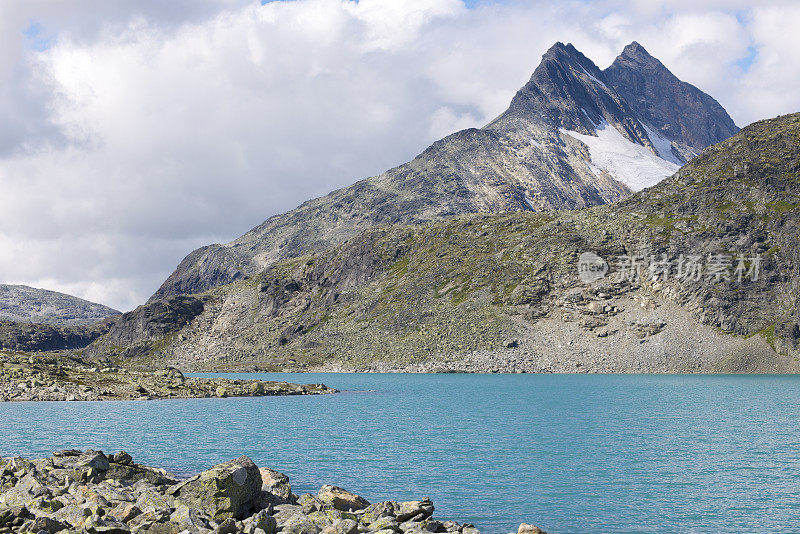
{"x": 19, "y": 303}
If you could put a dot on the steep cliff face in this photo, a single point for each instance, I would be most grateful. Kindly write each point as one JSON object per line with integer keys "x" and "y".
{"x": 483, "y": 292}
{"x": 142, "y": 331}
{"x": 569, "y": 140}
{"x": 568, "y": 91}
{"x": 30, "y": 337}
{"x": 679, "y": 111}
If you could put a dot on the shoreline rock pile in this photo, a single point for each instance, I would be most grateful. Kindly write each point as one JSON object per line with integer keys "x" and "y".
{"x": 25, "y": 377}
{"x": 89, "y": 491}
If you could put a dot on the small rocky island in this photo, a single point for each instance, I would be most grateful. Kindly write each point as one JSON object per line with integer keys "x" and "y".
{"x": 89, "y": 491}
{"x": 62, "y": 377}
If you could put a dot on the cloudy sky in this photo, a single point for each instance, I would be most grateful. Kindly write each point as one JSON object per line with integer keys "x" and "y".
{"x": 132, "y": 132}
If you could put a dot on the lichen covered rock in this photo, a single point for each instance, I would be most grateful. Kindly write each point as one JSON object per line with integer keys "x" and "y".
{"x": 227, "y": 490}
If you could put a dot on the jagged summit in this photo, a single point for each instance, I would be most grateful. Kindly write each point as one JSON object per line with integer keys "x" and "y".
{"x": 573, "y": 136}
{"x": 568, "y": 90}
{"x": 688, "y": 117}
{"x": 636, "y": 51}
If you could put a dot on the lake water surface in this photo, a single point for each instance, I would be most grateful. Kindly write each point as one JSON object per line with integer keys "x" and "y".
{"x": 570, "y": 453}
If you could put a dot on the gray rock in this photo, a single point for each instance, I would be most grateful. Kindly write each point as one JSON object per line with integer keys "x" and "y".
{"x": 261, "y": 520}
{"x": 525, "y": 528}
{"x": 72, "y": 459}
{"x": 413, "y": 509}
{"x": 341, "y": 499}
{"x": 73, "y": 515}
{"x": 451, "y": 526}
{"x": 310, "y": 503}
{"x": 300, "y": 524}
{"x": 228, "y": 526}
{"x": 380, "y": 509}
{"x": 123, "y": 458}
{"x": 48, "y": 524}
{"x": 277, "y": 485}
{"x": 342, "y": 526}
{"x": 385, "y": 523}
{"x": 188, "y": 518}
{"x": 227, "y": 490}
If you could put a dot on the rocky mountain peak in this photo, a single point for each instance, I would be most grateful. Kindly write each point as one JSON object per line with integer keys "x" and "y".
{"x": 635, "y": 57}
{"x": 676, "y": 110}
{"x": 568, "y": 91}
{"x": 636, "y": 52}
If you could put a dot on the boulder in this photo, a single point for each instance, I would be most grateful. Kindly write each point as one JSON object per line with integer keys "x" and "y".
{"x": 150, "y": 500}
{"x": 525, "y": 528}
{"x": 48, "y": 524}
{"x": 72, "y": 514}
{"x": 300, "y": 524}
{"x": 130, "y": 474}
{"x": 228, "y": 526}
{"x": 416, "y": 510}
{"x": 451, "y": 526}
{"x": 311, "y": 503}
{"x": 125, "y": 511}
{"x": 327, "y": 517}
{"x": 341, "y": 526}
{"x": 105, "y": 525}
{"x": 385, "y": 523}
{"x": 283, "y": 512}
{"x": 227, "y": 490}
{"x": 188, "y": 518}
{"x": 373, "y": 512}
{"x": 72, "y": 459}
{"x": 123, "y": 458}
{"x": 263, "y": 521}
{"x": 341, "y": 499}
{"x": 277, "y": 485}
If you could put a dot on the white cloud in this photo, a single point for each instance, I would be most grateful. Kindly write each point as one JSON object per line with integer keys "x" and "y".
{"x": 147, "y": 128}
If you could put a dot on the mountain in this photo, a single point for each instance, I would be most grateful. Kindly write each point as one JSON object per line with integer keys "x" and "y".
{"x": 34, "y": 319}
{"x": 696, "y": 274}
{"x": 31, "y": 337}
{"x": 678, "y": 111}
{"x": 573, "y": 137}
{"x": 31, "y": 305}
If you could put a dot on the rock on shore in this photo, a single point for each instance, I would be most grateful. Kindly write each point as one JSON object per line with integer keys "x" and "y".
{"x": 89, "y": 491}
{"x": 39, "y": 377}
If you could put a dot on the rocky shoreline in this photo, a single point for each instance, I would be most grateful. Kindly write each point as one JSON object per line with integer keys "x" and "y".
{"x": 58, "y": 377}
{"x": 89, "y": 491}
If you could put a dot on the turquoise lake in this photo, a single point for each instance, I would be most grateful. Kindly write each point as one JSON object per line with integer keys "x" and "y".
{"x": 570, "y": 453}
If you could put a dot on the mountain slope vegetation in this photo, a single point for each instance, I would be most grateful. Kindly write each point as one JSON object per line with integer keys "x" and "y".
{"x": 502, "y": 291}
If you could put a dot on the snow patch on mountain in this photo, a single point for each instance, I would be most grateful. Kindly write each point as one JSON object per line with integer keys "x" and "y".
{"x": 662, "y": 144}
{"x": 629, "y": 163}
{"x": 593, "y": 78}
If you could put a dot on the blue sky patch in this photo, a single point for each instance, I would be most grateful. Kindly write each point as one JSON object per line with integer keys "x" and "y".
{"x": 36, "y": 38}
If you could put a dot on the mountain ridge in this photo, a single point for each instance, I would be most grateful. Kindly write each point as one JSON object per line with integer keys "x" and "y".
{"x": 21, "y": 303}
{"x": 502, "y": 292}
{"x": 524, "y": 160}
